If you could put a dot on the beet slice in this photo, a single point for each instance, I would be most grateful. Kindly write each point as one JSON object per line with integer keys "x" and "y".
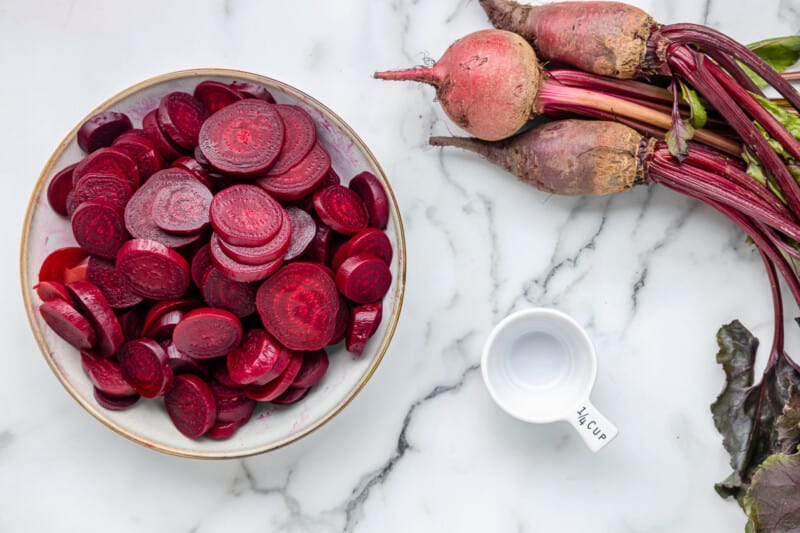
{"x": 252, "y": 90}
{"x": 215, "y": 95}
{"x": 101, "y": 130}
{"x": 364, "y": 321}
{"x": 207, "y": 332}
{"x": 223, "y": 430}
{"x": 370, "y": 241}
{"x": 300, "y": 135}
{"x": 91, "y": 303}
{"x": 103, "y": 273}
{"x": 239, "y": 271}
{"x": 106, "y": 375}
{"x": 152, "y": 270}
{"x": 201, "y": 158}
{"x": 219, "y": 371}
{"x": 142, "y": 150}
{"x": 115, "y": 404}
{"x": 315, "y": 364}
{"x": 182, "y": 363}
{"x": 254, "y": 357}
{"x": 320, "y": 249}
{"x": 279, "y": 385}
{"x": 132, "y": 322}
{"x": 341, "y": 209}
{"x": 191, "y": 405}
{"x": 372, "y": 193}
{"x": 244, "y": 138}
{"x": 78, "y": 272}
{"x": 59, "y": 188}
{"x": 51, "y": 290}
{"x": 180, "y": 116}
{"x": 68, "y": 323}
{"x": 363, "y": 278}
{"x": 220, "y": 390}
{"x": 144, "y": 364}
{"x": 162, "y": 328}
{"x": 302, "y": 178}
{"x": 71, "y": 205}
{"x": 342, "y": 322}
{"x": 274, "y": 249}
{"x": 298, "y": 306}
{"x": 238, "y": 409}
{"x": 302, "y": 231}
{"x": 110, "y": 161}
{"x": 201, "y": 262}
{"x": 245, "y": 215}
{"x": 182, "y": 207}
{"x": 166, "y": 147}
{"x": 222, "y": 292}
{"x": 99, "y": 228}
{"x": 196, "y": 169}
{"x": 160, "y": 309}
{"x": 291, "y": 395}
{"x": 103, "y": 187}
{"x": 331, "y": 178}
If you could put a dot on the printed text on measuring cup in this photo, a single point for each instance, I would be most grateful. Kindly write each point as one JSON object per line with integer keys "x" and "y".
{"x": 587, "y": 421}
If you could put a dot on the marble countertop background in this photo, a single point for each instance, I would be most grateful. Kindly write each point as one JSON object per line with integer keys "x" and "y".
{"x": 651, "y": 274}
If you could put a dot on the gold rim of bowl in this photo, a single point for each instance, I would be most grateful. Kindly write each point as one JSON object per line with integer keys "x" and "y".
{"x": 398, "y": 227}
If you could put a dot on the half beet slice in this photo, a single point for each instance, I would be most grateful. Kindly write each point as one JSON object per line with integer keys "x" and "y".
{"x": 144, "y": 364}
{"x": 300, "y": 135}
{"x": 152, "y": 270}
{"x": 207, "y": 332}
{"x": 181, "y": 115}
{"x": 89, "y": 300}
{"x": 59, "y": 188}
{"x": 364, "y": 321}
{"x": 191, "y": 405}
{"x": 68, "y": 323}
{"x": 302, "y": 178}
{"x": 372, "y": 193}
{"x": 245, "y": 215}
{"x": 254, "y": 357}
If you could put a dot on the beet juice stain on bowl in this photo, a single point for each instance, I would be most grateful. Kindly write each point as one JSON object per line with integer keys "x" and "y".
{"x": 325, "y": 383}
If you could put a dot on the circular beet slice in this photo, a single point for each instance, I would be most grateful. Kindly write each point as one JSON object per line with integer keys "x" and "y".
{"x": 300, "y": 135}
{"x": 160, "y": 309}
{"x": 315, "y": 364}
{"x": 132, "y": 321}
{"x": 152, "y": 270}
{"x": 101, "y": 130}
{"x": 274, "y": 249}
{"x": 196, "y": 169}
{"x": 191, "y": 405}
{"x": 302, "y": 178}
{"x": 243, "y": 138}
{"x": 201, "y": 262}
{"x": 245, "y": 215}
{"x": 144, "y": 364}
{"x": 182, "y": 363}
{"x": 331, "y": 178}
{"x": 51, "y": 290}
{"x": 252, "y": 90}
{"x": 106, "y": 375}
{"x": 254, "y": 357}
{"x": 303, "y": 228}
{"x": 103, "y": 187}
{"x": 238, "y": 409}
{"x": 68, "y": 323}
{"x": 166, "y": 147}
{"x": 93, "y": 305}
{"x": 103, "y": 273}
{"x": 223, "y": 430}
{"x": 207, "y": 332}
{"x": 372, "y": 193}
{"x": 110, "y": 161}
{"x": 115, "y": 404}
{"x": 370, "y": 241}
{"x": 215, "y": 95}
{"x": 162, "y": 328}
{"x": 364, "y": 321}
{"x": 341, "y": 209}
{"x": 143, "y": 151}
{"x": 363, "y": 278}
{"x": 239, "y": 271}
{"x": 291, "y": 395}
{"x": 99, "y": 228}
{"x": 58, "y": 189}
{"x": 180, "y": 116}
{"x": 182, "y": 207}
{"x": 298, "y": 306}
{"x": 222, "y": 292}
{"x": 279, "y": 385}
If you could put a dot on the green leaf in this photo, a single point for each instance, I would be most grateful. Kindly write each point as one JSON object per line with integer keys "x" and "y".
{"x": 778, "y": 52}
{"x": 773, "y": 500}
{"x": 789, "y": 120}
{"x": 788, "y": 423}
{"x": 698, "y": 115}
{"x": 678, "y": 138}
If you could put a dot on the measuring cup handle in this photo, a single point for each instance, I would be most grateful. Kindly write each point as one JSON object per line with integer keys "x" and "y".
{"x": 596, "y": 430}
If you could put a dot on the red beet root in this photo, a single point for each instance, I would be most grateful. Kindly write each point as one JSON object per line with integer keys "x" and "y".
{"x": 163, "y": 328}
{"x": 364, "y": 321}
{"x": 302, "y": 231}
{"x": 302, "y": 178}
{"x": 342, "y": 322}
{"x": 222, "y": 292}
{"x": 207, "y": 332}
{"x": 182, "y": 207}
{"x": 201, "y": 262}
{"x": 341, "y": 209}
{"x": 106, "y": 375}
{"x": 182, "y": 363}
{"x": 152, "y": 270}
{"x": 371, "y": 192}
{"x": 245, "y": 215}
{"x": 58, "y": 189}
{"x": 363, "y": 278}
{"x": 252, "y": 90}
{"x": 315, "y": 364}
{"x": 101, "y": 130}
{"x": 142, "y": 150}
{"x": 103, "y": 273}
{"x": 109, "y": 161}
{"x": 93, "y": 305}
{"x": 276, "y": 387}
{"x": 102, "y": 187}
{"x": 300, "y": 135}
{"x": 291, "y": 395}
{"x": 239, "y": 271}
{"x": 369, "y": 241}
{"x": 215, "y": 95}
{"x": 115, "y": 404}
{"x": 191, "y": 405}
{"x": 180, "y": 116}
{"x": 68, "y": 323}
{"x": 99, "y": 228}
{"x": 274, "y": 249}
{"x": 51, "y": 290}
{"x": 144, "y": 364}
{"x": 166, "y": 147}
{"x": 254, "y": 357}
{"x": 238, "y": 409}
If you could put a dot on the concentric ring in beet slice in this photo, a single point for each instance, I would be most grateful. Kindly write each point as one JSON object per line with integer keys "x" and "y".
{"x": 99, "y": 228}
{"x": 168, "y": 149}
{"x": 245, "y": 215}
{"x": 341, "y": 209}
{"x": 369, "y": 241}
{"x": 101, "y": 130}
{"x": 274, "y": 249}
{"x": 301, "y": 179}
{"x": 254, "y": 357}
{"x": 182, "y": 207}
{"x": 152, "y": 270}
{"x": 239, "y": 271}
{"x": 180, "y": 116}
{"x": 315, "y": 364}
{"x": 222, "y": 292}
{"x": 372, "y": 193}
{"x": 103, "y": 273}
{"x": 144, "y": 364}
{"x": 106, "y": 375}
{"x": 244, "y": 138}
{"x": 106, "y": 187}
{"x": 300, "y": 135}
{"x": 207, "y": 332}
{"x": 68, "y": 323}
{"x": 303, "y": 229}
{"x": 110, "y": 161}
{"x": 298, "y": 305}
{"x": 91, "y": 303}
{"x": 58, "y": 189}
{"x": 363, "y": 278}
{"x": 215, "y": 95}
{"x": 191, "y": 405}
{"x": 279, "y": 385}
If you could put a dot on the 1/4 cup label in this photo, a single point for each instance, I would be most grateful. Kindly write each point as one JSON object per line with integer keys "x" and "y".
{"x": 587, "y": 421}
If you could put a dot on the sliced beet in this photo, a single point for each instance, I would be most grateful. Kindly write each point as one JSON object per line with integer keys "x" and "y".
{"x": 244, "y": 138}
{"x": 144, "y": 364}
{"x": 180, "y": 116}
{"x": 215, "y": 95}
{"x": 342, "y": 321}
{"x": 283, "y": 360}
{"x": 68, "y": 323}
{"x": 196, "y": 169}
{"x": 291, "y": 395}
{"x": 115, "y": 404}
{"x": 191, "y": 405}
{"x": 101, "y": 130}
{"x": 298, "y": 306}
{"x": 219, "y": 371}
{"x": 321, "y": 247}
{"x": 166, "y": 147}
{"x": 372, "y": 193}
{"x": 253, "y": 90}
{"x": 341, "y": 209}
{"x": 201, "y": 262}
{"x": 363, "y": 278}
{"x": 245, "y": 215}
{"x": 103, "y": 273}
{"x": 274, "y": 249}
{"x": 220, "y": 291}
{"x": 364, "y": 321}
{"x": 163, "y": 328}
{"x": 302, "y": 178}
{"x": 220, "y": 390}
{"x": 239, "y": 271}
{"x": 59, "y": 188}
{"x": 106, "y": 375}
{"x": 110, "y": 161}
{"x": 207, "y": 332}
{"x": 254, "y": 357}
{"x": 78, "y": 272}
{"x": 238, "y": 409}
{"x": 103, "y": 187}
{"x": 279, "y": 385}
{"x": 370, "y": 241}
{"x": 223, "y": 430}
{"x": 303, "y": 228}
{"x": 160, "y": 309}
{"x": 182, "y": 363}
{"x": 99, "y": 228}
{"x": 71, "y": 204}
{"x": 132, "y": 321}
{"x": 51, "y": 290}
{"x": 143, "y": 151}
{"x": 315, "y": 364}
{"x": 91, "y": 303}
{"x": 152, "y": 270}
{"x": 300, "y": 135}
{"x": 182, "y": 207}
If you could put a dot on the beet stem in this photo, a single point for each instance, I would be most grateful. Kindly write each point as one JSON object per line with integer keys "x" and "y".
{"x": 422, "y": 74}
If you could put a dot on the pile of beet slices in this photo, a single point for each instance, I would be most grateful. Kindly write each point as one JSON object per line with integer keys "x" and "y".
{"x": 218, "y": 256}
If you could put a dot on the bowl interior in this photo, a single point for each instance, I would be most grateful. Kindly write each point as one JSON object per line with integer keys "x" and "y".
{"x": 271, "y": 426}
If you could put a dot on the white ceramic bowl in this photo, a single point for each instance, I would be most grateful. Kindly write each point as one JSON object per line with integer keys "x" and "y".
{"x": 271, "y": 426}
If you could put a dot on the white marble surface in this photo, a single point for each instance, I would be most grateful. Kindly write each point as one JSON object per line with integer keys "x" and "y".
{"x": 422, "y": 448}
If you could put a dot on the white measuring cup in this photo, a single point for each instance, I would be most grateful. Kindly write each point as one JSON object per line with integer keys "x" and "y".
{"x": 540, "y": 366}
